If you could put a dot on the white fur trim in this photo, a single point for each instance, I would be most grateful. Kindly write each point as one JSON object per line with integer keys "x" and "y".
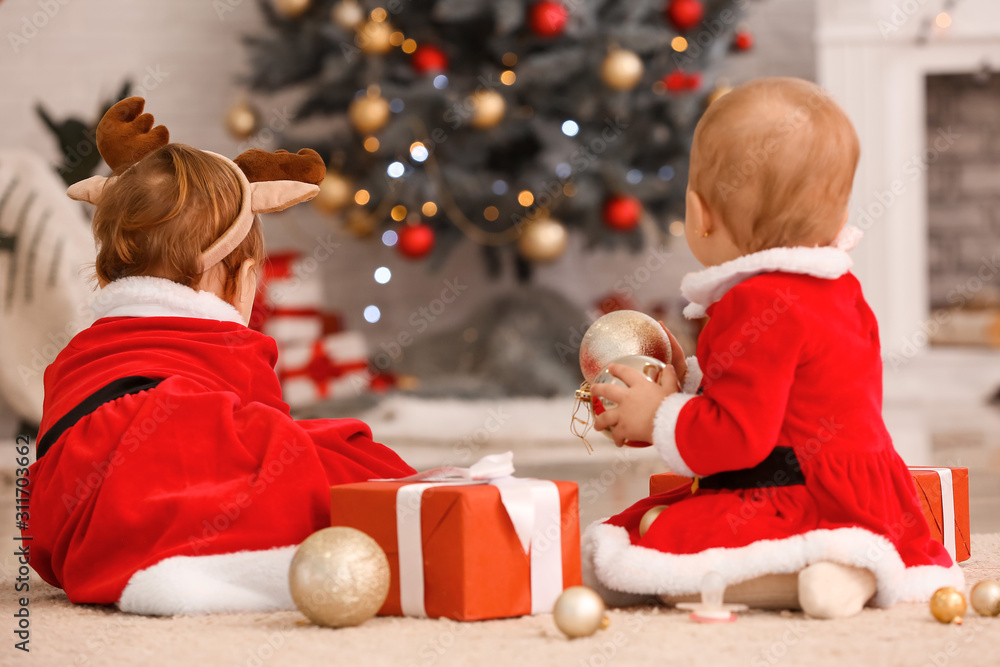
{"x": 664, "y": 437}
{"x": 233, "y": 582}
{"x": 703, "y": 288}
{"x": 146, "y": 296}
{"x": 693, "y": 380}
{"x": 621, "y": 566}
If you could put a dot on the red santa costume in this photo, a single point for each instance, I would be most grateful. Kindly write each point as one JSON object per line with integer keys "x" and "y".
{"x": 170, "y": 477}
{"x": 190, "y": 495}
{"x": 781, "y": 421}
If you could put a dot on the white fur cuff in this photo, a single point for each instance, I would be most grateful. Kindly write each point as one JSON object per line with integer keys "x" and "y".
{"x": 693, "y": 380}
{"x": 664, "y": 436}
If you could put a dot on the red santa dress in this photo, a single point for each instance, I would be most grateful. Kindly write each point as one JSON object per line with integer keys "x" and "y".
{"x": 189, "y": 492}
{"x": 781, "y": 421}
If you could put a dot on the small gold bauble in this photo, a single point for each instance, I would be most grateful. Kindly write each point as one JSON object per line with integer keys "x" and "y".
{"x": 619, "y": 334}
{"x": 347, "y": 14}
{"x": 369, "y": 113}
{"x": 621, "y": 70}
{"x": 488, "y": 107}
{"x": 375, "y": 37}
{"x": 720, "y": 90}
{"x": 360, "y": 224}
{"x": 335, "y": 192}
{"x": 339, "y": 577}
{"x": 292, "y": 9}
{"x": 648, "y": 518}
{"x": 948, "y": 605}
{"x": 242, "y": 120}
{"x": 985, "y": 598}
{"x": 543, "y": 240}
{"x": 579, "y": 612}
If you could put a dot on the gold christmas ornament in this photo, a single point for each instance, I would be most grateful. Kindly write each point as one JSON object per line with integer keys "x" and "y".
{"x": 985, "y": 598}
{"x": 292, "y": 9}
{"x": 489, "y": 107}
{"x": 242, "y": 120}
{"x": 579, "y": 612}
{"x": 719, "y": 91}
{"x": 335, "y": 192}
{"x": 648, "y": 518}
{"x": 948, "y": 605}
{"x": 543, "y": 240}
{"x": 359, "y": 223}
{"x": 369, "y": 113}
{"x": 619, "y": 334}
{"x": 339, "y": 577}
{"x": 621, "y": 70}
{"x": 347, "y": 14}
{"x": 375, "y": 37}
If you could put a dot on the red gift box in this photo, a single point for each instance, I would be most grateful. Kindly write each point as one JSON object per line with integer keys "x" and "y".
{"x": 943, "y": 495}
{"x": 474, "y": 564}
{"x": 336, "y": 365}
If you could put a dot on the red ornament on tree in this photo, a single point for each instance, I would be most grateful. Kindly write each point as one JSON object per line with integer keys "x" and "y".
{"x": 548, "y": 18}
{"x": 685, "y": 14}
{"x": 680, "y": 81}
{"x": 621, "y": 212}
{"x": 743, "y": 41}
{"x": 429, "y": 58}
{"x": 415, "y": 241}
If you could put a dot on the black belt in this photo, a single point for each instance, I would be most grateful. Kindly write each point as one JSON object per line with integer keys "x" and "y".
{"x": 109, "y": 392}
{"x": 780, "y": 468}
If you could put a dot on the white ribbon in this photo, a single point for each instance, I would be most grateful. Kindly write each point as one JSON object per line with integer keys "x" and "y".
{"x": 533, "y": 506}
{"x": 947, "y": 509}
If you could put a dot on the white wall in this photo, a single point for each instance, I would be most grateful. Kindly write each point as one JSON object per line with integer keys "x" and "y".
{"x": 85, "y": 50}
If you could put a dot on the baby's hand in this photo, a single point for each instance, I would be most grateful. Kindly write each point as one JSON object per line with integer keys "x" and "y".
{"x": 632, "y": 419}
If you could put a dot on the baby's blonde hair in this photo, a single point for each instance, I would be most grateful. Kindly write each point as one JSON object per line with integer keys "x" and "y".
{"x": 159, "y": 215}
{"x": 775, "y": 160}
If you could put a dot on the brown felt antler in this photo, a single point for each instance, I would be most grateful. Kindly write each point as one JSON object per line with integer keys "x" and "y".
{"x": 125, "y": 135}
{"x": 305, "y": 166}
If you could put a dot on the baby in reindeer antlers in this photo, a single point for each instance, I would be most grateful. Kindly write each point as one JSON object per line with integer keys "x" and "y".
{"x": 801, "y": 499}
{"x": 170, "y": 477}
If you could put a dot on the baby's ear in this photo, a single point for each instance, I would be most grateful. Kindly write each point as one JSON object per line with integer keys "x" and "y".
{"x": 89, "y": 190}
{"x": 267, "y": 196}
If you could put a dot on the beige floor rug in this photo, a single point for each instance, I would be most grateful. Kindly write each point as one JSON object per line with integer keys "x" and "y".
{"x": 65, "y": 635}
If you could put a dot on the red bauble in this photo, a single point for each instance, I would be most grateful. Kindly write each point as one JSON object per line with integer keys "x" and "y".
{"x": 548, "y": 18}
{"x": 415, "y": 241}
{"x": 429, "y": 58}
{"x": 743, "y": 41}
{"x": 622, "y": 212}
{"x": 685, "y": 14}
{"x": 680, "y": 81}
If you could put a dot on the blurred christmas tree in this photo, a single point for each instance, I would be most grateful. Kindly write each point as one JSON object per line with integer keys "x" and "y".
{"x": 505, "y": 122}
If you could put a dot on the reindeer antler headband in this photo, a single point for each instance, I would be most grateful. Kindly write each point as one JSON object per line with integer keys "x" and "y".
{"x": 269, "y": 181}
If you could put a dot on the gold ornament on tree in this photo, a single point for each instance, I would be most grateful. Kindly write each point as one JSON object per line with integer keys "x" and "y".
{"x": 347, "y": 14}
{"x": 648, "y": 518}
{"x": 370, "y": 112}
{"x": 375, "y": 37}
{"x": 292, "y": 9}
{"x": 985, "y": 598}
{"x": 579, "y": 612}
{"x": 488, "y": 107}
{"x": 335, "y": 192}
{"x": 621, "y": 70}
{"x": 360, "y": 223}
{"x": 242, "y": 120}
{"x": 948, "y": 605}
{"x": 339, "y": 577}
{"x": 543, "y": 240}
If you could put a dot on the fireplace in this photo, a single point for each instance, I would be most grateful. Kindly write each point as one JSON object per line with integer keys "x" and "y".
{"x": 879, "y": 59}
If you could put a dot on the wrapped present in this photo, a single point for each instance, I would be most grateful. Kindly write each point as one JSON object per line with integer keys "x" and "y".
{"x": 943, "y": 495}
{"x": 333, "y": 366}
{"x": 469, "y": 544}
{"x": 291, "y": 326}
{"x": 944, "y": 499}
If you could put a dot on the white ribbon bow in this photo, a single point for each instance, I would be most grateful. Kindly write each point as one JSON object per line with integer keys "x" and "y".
{"x": 533, "y": 506}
